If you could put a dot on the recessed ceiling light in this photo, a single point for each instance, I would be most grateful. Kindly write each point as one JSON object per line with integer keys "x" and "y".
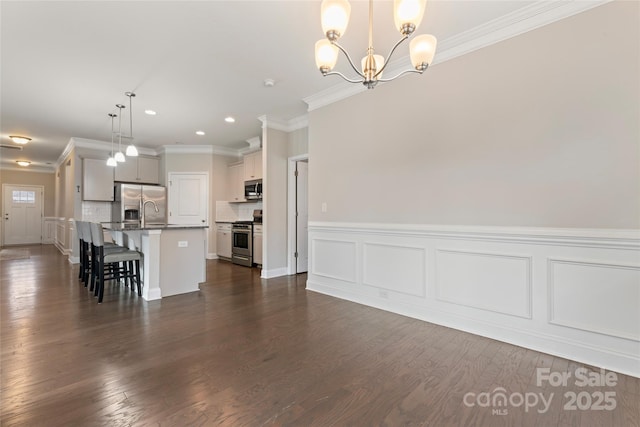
{"x": 200, "y": 133}
{"x": 229, "y": 119}
{"x": 150, "y": 112}
{"x": 269, "y": 82}
{"x": 19, "y": 139}
{"x": 23, "y": 162}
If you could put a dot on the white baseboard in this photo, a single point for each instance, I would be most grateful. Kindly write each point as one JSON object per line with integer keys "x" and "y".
{"x": 566, "y": 292}
{"x": 275, "y": 272}
{"x": 212, "y": 255}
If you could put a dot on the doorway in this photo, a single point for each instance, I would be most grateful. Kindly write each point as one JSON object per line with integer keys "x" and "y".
{"x": 298, "y": 214}
{"x": 22, "y": 216}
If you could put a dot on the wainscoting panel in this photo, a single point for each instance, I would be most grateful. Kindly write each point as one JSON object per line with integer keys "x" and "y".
{"x": 335, "y": 259}
{"x": 597, "y": 297}
{"x": 499, "y": 283}
{"x": 395, "y": 268}
{"x": 533, "y": 287}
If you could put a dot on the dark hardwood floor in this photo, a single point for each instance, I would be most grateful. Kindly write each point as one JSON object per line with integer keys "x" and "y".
{"x": 250, "y": 352}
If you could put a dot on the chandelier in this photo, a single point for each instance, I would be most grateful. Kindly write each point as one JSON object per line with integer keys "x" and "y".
{"x": 407, "y": 16}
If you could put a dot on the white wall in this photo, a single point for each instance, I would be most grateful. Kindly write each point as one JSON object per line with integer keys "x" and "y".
{"x": 499, "y": 193}
{"x": 275, "y": 154}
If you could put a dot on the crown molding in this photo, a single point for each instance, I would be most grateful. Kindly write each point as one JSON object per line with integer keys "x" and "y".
{"x": 285, "y": 125}
{"x": 94, "y": 145}
{"x": 199, "y": 149}
{"x": 29, "y": 169}
{"x": 527, "y": 18}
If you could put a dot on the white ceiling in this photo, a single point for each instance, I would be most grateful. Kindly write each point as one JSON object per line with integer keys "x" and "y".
{"x": 65, "y": 64}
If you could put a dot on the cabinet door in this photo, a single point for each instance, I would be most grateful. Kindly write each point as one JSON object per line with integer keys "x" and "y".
{"x": 97, "y": 180}
{"x": 223, "y": 240}
{"x": 257, "y": 248}
{"x": 148, "y": 170}
{"x": 236, "y": 183}
{"x": 127, "y": 171}
{"x": 253, "y": 166}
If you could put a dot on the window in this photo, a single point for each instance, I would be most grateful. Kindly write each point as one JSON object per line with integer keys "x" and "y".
{"x": 24, "y": 197}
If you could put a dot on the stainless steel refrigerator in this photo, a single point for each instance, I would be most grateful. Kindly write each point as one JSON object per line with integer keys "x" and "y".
{"x": 131, "y": 201}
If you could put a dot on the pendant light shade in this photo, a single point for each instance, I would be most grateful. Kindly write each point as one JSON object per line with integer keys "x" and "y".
{"x": 132, "y": 151}
{"x": 119, "y": 156}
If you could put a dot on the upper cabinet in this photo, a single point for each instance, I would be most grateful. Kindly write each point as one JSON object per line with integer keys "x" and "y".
{"x": 235, "y": 182}
{"x": 97, "y": 180}
{"x": 140, "y": 170}
{"x": 253, "y": 166}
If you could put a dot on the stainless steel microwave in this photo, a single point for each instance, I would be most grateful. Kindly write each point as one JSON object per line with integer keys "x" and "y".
{"x": 253, "y": 190}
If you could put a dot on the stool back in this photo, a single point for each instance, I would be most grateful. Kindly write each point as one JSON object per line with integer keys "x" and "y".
{"x": 97, "y": 235}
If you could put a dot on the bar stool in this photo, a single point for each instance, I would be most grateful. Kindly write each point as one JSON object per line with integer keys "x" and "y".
{"x": 110, "y": 259}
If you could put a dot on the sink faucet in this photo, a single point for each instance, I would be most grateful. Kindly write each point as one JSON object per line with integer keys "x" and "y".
{"x": 144, "y": 203}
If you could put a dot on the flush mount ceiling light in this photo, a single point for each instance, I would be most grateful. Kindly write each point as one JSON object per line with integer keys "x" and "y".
{"x": 20, "y": 139}
{"x": 132, "y": 151}
{"x": 407, "y": 16}
{"x": 229, "y": 119}
{"x": 23, "y": 163}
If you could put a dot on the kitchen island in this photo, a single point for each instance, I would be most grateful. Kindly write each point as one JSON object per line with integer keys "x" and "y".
{"x": 174, "y": 256}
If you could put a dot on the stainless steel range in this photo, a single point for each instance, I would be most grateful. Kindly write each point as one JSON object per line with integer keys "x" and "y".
{"x": 242, "y": 243}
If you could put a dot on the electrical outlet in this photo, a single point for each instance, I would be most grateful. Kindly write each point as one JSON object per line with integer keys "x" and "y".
{"x": 183, "y": 244}
{"x": 324, "y": 206}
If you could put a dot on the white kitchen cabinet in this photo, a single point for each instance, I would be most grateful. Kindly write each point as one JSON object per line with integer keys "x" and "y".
{"x": 257, "y": 244}
{"x": 253, "y": 166}
{"x": 139, "y": 170}
{"x": 97, "y": 180}
{"x": 223, "y": 240}
{"x": 235, "y": 182}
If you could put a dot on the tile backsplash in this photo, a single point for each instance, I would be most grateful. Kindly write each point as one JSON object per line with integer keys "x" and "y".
{"x": 230, "y": 212}
{"x": 96, "y": 211}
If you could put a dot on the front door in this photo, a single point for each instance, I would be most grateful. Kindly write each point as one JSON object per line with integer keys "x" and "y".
{"x": 22, "y": 216}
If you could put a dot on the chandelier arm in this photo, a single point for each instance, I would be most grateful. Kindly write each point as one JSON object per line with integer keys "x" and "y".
{"x": 386, "y": 62}
{"x": 350, "y": 61}
{"x": 337, "y": 73}
{"x": 401, "y": 74}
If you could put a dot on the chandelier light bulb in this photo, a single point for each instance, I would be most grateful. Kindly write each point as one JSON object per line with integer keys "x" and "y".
{"x": 326, "y": 55}
{"x": 408, "y": 14}
{"x": 335, "y": 18}
{"x": 422, "y": 50}
{"x": 378, "y": 63}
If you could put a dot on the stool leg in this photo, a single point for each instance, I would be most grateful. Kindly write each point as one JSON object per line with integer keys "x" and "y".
{"x": 138, "y": 277}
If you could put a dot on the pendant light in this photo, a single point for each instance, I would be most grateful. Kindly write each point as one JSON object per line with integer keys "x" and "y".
{"x": 132, "y": 151}
{"x": 119, "y": 155}
{"x": 112, "y": 161}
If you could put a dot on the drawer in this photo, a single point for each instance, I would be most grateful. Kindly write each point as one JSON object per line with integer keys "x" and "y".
{"x": 223, "y": 227}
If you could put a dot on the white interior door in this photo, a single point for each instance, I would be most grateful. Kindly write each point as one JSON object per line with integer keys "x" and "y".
{"x": 302, "y": 216}
{"x": 22, "y": 214}
{"x": 188, "y": 196}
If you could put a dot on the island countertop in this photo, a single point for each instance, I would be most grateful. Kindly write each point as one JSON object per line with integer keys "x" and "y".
{"x": 118, "y": 226}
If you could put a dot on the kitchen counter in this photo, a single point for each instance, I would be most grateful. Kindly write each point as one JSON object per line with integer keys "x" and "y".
{"x": 174, "y": 256}
{"x": 117, "y": 226}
